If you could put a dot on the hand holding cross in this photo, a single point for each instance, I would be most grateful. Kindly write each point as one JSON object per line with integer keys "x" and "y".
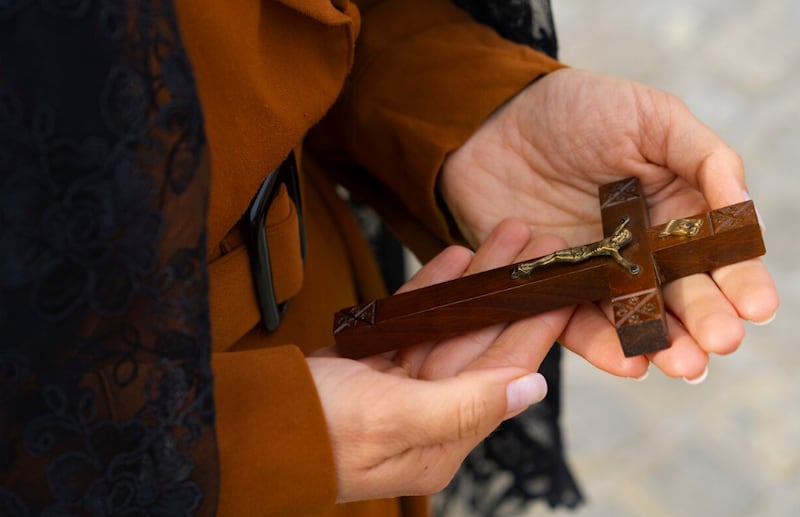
{"x": 660, "y": 254}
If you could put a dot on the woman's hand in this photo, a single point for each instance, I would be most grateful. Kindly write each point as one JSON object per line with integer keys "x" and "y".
{"x": 402, "y": 423}
{"x": 541, "y": 158}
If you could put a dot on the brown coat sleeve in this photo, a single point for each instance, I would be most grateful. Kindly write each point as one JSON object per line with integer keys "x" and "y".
{"x": 266, "y": 70}
{"x": 270, "y": 424}
{"x": 425, "y": 77}
{"x": 398, "y": 118}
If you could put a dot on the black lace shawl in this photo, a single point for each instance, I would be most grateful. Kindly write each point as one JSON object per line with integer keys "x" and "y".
{"x": 523, "y": 461}
{"x": 106, "y": 404}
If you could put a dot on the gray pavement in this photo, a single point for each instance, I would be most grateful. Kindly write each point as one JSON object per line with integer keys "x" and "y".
{"x": 729, "y": 447}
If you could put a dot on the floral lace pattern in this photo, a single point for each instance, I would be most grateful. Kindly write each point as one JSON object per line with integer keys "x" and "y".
{"x": 106, "y": 403}
{"x": 523, "y": 461}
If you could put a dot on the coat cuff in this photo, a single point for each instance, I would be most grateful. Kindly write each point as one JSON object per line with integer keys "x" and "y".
{"x": 269, "y": 428}
{"x": 426, "y": 77}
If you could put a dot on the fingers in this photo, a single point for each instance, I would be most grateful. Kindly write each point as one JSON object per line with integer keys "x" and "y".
{"x": 503, "y": 245}
{"x": 523, "y": 343}
{"x": 440, "y": 422}
{"x": 750, "y": 288}
{"x": 672, "y": 136}
{"x": 709, "y": 325}
{"x": 684, "y": 358}
{"x": 708, "y": 163}
{"x": 705, "y": 312}
{"x": 591, "y": 335}
{"x": 395, "y": 436}
{"x": 470, "y": 405}
{"x": 506, "y": 242}
{"x": 675, "y": 138}
{"x": 702, "y": 322}
{"x": 447, "y": 265}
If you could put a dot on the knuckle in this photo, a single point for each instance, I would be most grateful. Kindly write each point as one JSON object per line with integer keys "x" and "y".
{"x": 472, "y": 416}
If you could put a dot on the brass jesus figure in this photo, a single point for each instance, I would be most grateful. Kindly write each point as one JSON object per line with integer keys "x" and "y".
{"x": 609, "y": 246}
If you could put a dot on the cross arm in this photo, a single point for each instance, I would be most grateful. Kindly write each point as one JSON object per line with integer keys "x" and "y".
{"x": 662, "y": 254}
{"x": 725, "y": 236}
{"x": 468, "y": 303}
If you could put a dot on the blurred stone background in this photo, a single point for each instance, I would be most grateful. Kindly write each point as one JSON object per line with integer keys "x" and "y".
{"x": 729, "y": 447}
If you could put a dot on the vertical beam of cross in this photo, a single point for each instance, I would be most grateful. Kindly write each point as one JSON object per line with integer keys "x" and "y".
{"x": 636, "y": 301}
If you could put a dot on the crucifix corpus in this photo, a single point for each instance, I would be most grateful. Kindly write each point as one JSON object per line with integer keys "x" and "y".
{"x": 627, "y": 267}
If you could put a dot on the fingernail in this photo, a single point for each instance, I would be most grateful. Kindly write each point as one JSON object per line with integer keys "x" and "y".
{"x": 698, "y": 380}
{"x": 527, "y": 390}
{"x": 641, "y": 377}
{"x": 766, "y": 321}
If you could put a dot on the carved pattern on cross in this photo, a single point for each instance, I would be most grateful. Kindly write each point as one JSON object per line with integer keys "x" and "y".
{"x": 731, "y": 217}
{"x": 355, "y": 316}
{"x": 619, "y": 192}
{"x": 637, "y": 308}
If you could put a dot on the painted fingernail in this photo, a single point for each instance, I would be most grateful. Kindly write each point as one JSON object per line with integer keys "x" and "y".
{"x": 766, "y": 321}
{"x": 698, "y": 380}
{"x": 527, "y": 390}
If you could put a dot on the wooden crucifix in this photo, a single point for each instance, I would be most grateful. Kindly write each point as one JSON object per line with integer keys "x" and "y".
{"x": 628, "y": 267}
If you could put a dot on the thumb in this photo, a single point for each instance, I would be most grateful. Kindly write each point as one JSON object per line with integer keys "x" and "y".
{"x": 451, "y": 416}
{"x": 469, "y": 406}
{"x": 694, "y": 152}
{"x": 409, "y": 436}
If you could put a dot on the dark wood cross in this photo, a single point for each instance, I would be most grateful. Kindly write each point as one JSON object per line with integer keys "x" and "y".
{"x": 627, "y": 267}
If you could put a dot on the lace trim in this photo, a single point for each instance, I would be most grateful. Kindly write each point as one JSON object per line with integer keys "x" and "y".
{"x": 106, "y": 403}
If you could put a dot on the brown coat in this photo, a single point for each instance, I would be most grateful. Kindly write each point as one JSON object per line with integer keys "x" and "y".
{"x": 422, "y": 77}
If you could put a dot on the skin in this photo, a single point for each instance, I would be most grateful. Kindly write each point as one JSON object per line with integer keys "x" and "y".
{"x": 403, "y": 436}
{"x": 525, "y": 185}
{"x": 541, "y": 158}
